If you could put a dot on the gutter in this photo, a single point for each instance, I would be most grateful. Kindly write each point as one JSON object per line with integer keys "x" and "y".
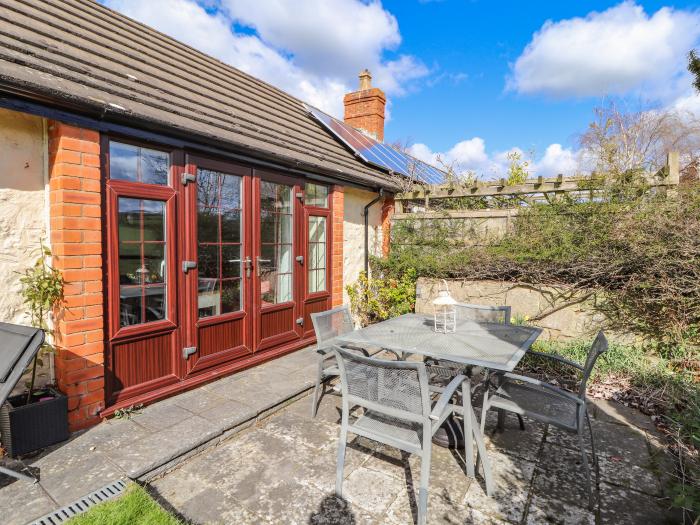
{"x": 366, "y": 215}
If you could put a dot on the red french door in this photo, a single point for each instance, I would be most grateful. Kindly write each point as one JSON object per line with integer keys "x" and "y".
{"x": 278, "y": 259}
{"x": 216, "y": 264}
{"x": 211, "y": 267}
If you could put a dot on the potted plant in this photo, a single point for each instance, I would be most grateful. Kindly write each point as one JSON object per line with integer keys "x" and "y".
{"x": 37, "y": 418}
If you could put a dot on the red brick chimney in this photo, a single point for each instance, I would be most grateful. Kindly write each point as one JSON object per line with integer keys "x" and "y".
{"x": 364, "y": 109}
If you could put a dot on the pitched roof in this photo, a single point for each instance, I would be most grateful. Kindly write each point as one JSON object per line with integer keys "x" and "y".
{"x": 80, "y": 54}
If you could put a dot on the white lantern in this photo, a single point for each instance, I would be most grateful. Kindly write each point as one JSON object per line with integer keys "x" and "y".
{"x": 445, "y": 311}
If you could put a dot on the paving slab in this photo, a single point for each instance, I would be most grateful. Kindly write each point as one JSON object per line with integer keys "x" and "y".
{"x": 66, "y": 476}
{"x": 513, "y": 441}
{"x": 622, "y": 506}
{"x": 560, "y": 475}
{"x": 512, "y": 477}
{"x": 19, "y": 499}
{"x": 546, "y": 509}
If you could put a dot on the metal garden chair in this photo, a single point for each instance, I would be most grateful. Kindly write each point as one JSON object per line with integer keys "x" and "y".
{"x": 328, "y": 325}
{"x": 549, "y": 404}
{"x": 396, "y": 399}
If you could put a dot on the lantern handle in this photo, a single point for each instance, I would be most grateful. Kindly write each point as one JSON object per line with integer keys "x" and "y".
{"x": 447, "y": 288}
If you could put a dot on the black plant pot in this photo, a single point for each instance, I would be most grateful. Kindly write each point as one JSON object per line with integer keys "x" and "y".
{"x": 26, "y": 428}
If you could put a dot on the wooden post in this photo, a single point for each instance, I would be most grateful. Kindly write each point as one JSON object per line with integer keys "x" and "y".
{"x": 674, "y": 172}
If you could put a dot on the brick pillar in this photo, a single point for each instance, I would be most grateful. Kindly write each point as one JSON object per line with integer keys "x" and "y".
{"x": 387, "y": 212}
{"x": 76, "y": 244}
{"x": 338, "y": 206}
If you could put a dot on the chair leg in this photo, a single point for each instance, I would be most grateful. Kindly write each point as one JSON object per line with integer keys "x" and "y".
{"x": 424, "y": 476}
{"x": 481, "y": 450}
{"x": 468, "y": 428}
{"x": 317, "y": 388}
{"x": 584, "y": 457}
{"x": 501, "y": 420}
{"x": 341, "y": 452}
{"x": 521, "y": 422}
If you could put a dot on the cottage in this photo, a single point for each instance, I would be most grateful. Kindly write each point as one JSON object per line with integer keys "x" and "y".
{"x": 197, "y": 214}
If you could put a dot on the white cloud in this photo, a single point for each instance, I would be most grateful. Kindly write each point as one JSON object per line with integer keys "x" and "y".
{"x": 313, "y": 49}
{"x": 471, "y": 155}
{"x": 617, "y": 51}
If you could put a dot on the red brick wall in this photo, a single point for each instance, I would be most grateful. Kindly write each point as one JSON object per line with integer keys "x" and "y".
{"x": 365, "y": 110}
{"x": 76, "y": 244}
{"x": 387, "y": 212}
{"x": 338, "y": 207}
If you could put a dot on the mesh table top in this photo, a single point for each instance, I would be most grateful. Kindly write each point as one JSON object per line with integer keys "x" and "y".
{"x": 491, "y": 345}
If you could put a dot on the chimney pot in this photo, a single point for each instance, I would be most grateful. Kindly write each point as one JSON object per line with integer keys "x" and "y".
{"x": 364, "y": 109}
{"x": 365, "y": 80}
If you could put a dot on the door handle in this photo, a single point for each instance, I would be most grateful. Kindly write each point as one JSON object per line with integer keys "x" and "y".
{"x": 258, "y": 264}
{"x": 248, "y": 263}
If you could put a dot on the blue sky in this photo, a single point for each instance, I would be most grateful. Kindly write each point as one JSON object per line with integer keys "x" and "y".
{"x": 470, "y": 80}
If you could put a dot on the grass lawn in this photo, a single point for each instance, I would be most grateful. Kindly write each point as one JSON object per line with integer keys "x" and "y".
{"x": 134, "y": 506}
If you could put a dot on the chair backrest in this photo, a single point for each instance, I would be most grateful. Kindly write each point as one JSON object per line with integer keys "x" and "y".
{"x": 483, "y": 314}
{"x": 395, "y": 388}
{"x": 332, "y": 323}
{"x": 599, "y": 346}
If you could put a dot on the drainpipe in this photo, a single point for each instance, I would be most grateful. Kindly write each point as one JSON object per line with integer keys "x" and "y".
{"x": 366, "y": 214}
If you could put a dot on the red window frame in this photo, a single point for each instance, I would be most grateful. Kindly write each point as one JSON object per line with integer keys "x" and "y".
{"x": 317, "y": 211}
{"x": 116, "y": 189}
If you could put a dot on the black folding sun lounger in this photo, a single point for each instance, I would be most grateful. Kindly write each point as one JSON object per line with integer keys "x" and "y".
{"x": 18, "y": 346}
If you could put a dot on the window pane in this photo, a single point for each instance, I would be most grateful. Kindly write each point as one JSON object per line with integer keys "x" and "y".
{"x": 208, "y": 225}
{"x": 208, "y": 263}
{"x": 275, "y": 228}
{"x": 153, "y": 220}
{"x": 320, "y": 280}
{"x": 123, "y": 161}
{"x": 231, "y": 226}
{"x": 230, "y": 296}
{"x": 130, "y": 305}
{"x": 230, "y": 191}
{"x": 317, "y": 254}
{"x": 231, "y": 261}
{"x": 136, "y": 164}
{"x": 142, "y": 260}
{"x": 275, "y": 197}
{"x": 208, "y": 297}
{"x": 207, "y": 189}
{"x": 316, "y": 195}
{"x": 219, "y": 237}
{"x": 129, "y": 219}
{"x": 154, "y": 166}
{"x": 154, "y": 262}
{"x": 155, "y": 303}
{"x": 129, "y": 263}
{"x": 317, "y": 229}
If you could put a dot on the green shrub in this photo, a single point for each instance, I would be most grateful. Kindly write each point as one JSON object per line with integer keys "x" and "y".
{"x": 376, "y": 299}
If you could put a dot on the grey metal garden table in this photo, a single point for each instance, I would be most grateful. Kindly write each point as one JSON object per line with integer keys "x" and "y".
{"x": 498, "y": 347}
{"x": 493, "y": 346}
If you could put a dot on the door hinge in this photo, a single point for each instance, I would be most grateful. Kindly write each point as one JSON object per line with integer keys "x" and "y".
{"x": 300, "y": 259}
{"x": 188, "y": 351}
{"x": 187, "y": 178}
{"x": 300, "y": 321}
{"x": 188, "y": 265}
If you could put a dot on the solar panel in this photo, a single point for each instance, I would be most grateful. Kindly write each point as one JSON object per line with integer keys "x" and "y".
{"x": 378, "y": 153}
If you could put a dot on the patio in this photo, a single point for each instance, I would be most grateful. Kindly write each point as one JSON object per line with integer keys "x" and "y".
{"x": 235, "y": 451}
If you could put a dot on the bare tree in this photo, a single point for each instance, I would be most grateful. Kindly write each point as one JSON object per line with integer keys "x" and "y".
{"x": 621, "y": 143}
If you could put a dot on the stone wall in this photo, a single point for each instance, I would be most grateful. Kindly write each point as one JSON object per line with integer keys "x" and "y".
{"x": 22, "y": 205}
{"x": 560, "y": 322}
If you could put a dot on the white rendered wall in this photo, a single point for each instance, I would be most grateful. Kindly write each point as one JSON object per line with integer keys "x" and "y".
{"x": 354, "y": 234}
{"x": 22, "y": 205}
